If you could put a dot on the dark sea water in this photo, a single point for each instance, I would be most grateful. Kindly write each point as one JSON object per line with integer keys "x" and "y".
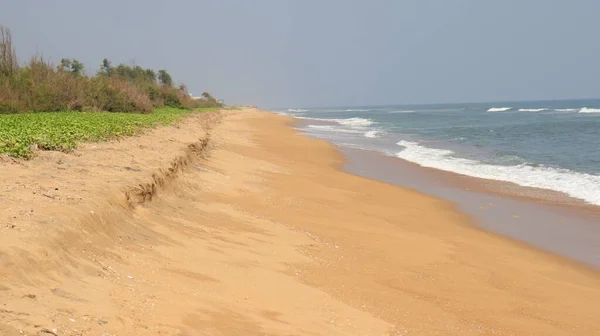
{"x": 552, "y": 145}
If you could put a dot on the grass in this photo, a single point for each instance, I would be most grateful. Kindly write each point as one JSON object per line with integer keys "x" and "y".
{"x": 21, "y": 133}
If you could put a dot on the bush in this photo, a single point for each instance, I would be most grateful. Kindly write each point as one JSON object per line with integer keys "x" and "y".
{"x": 154, "y": 94}
{"x": 206, "y": 100}
{"x": 7, "y": 107}
{"x": 41, "y": 87}
{"x": 164, "y": 78}
{"x": 8, "y": 56}
{"x": 171, "y": 99}
{"x": 175, "y": 98}
{"x": 124, "y": 97}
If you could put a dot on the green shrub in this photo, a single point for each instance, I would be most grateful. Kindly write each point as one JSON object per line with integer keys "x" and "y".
{"x": 8, "y": 56}
{"x": 7, "y": 107}
{"x": 154, "y": 94}
{"x": 164, "y": 78}
{"x": 172, "y": 99}
{"x": 38, "y": 86}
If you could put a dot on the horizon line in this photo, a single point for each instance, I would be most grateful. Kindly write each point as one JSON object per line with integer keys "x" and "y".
{"x": 441, "y": 103}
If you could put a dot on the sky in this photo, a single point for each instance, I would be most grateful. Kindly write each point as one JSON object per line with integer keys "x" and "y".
{"x": 310, "y": 53}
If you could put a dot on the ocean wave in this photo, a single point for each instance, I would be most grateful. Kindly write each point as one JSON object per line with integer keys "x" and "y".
{"x": 296, "y": 110}
{"x": 589, "y": 110}
{"x": 307, "y": 118}
{"x": 349, "y": 122}
{"x": 354, "y": 122}
{"x": 499, "y": 109}
{"x": 578, "y": 185}
{"x": 356, "y": 110}
{"x": 533, "y": 110}
{"x": 330, "y": 128}
{"x": 566, "y": 110}
{"x": 372, "y": 134}
{"x": 402, "y": 111}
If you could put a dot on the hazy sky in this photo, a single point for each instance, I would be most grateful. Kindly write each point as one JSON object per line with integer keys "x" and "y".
{"x": 278, "y": 53}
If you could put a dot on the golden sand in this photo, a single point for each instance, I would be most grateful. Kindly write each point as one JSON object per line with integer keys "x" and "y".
{"x": 261, "y": 234}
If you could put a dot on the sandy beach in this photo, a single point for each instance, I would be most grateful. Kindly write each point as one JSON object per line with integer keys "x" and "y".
{"x": 557, "y": 225}
{"x": 231, "y": 223}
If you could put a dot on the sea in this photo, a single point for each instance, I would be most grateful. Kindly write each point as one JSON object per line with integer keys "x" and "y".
{"x": 551, "y": 145}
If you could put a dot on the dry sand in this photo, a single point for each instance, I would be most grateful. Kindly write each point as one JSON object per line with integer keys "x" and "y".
{"x": 232, "y": 224}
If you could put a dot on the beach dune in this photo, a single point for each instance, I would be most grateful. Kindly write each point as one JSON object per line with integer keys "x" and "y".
{"x": 231, "y": 223}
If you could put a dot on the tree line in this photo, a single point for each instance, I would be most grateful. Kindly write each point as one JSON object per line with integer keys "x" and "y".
{"x": 39, "y": 86}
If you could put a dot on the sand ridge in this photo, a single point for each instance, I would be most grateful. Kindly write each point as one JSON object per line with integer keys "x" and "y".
{"x": 263, "y": 235}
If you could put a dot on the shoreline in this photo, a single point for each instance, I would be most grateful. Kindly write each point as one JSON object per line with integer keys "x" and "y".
{"x": 508, "y": 188}
{"x": 466, "y": 222}
{"x": 556, "y": 223}
{"x": 475, "y": 201}
{"x": 260, "y": 231}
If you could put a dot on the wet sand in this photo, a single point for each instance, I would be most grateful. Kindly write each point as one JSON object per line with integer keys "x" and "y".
{"x": 233, "y": 224}
{"x": 541, "y": 218}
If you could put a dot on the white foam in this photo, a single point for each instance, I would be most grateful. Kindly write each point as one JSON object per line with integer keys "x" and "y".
{"x": 372, "y": 134}
{"x": 296, "y": 110}
{"x": 356, "y": 110}
{"x": 349, "y": 122}
{"x": 567, "y": 110}
{"x": 499, "y": 109}
{"x": 354, "y": 122}
{"x": 308, "y": 118}
{"x": 578, "y": 185}
{"x": 589, "y": 110}
{"x": 533, "y": 110}
{"x": 330, "y": 128}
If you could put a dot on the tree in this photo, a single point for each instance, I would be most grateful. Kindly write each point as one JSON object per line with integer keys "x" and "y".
{"x": 77, "y": 67}
{"x": 183, "y": 88}
{"x": 209, "y": 98}
{"x": 105, "y": 68}
{"x": 65, "y": 64}
{"x": 139, "y": 72}
{"x": 151, "y": 75}
{"x": 8, "y": 56}
{"x": 164, "y": 78}
{"x": 71, "y": 65}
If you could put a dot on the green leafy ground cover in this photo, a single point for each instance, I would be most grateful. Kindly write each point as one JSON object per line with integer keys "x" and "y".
{"x": 20, "y": 133}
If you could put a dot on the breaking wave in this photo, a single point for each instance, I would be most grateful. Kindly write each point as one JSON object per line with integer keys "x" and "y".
{"x": 589, "y": 110}
{"x": 350, "y": 122}
{"x": 578, "y": 185}
{"x": 372, "y": 134}
{"x": 354, "y": 122}
{"x": 499, "y": 109}
{"x": 331, "y": 128}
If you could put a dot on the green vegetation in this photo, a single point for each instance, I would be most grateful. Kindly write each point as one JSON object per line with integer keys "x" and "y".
{"x": 54, "y": 107}
{"x": 38, "y": 86}
{"x": 21, "y": 133}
